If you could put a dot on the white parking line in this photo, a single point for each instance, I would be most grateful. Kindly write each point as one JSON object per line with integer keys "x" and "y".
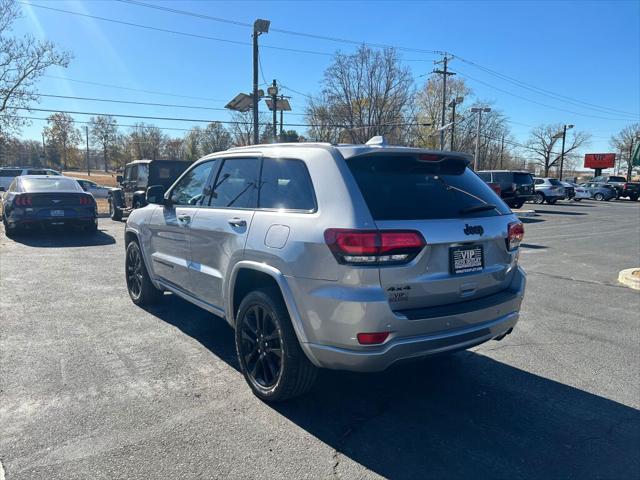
{"x": 1, "y": 472}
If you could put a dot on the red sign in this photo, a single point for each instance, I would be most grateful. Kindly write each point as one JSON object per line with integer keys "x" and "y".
{"x": 599, "y": 160}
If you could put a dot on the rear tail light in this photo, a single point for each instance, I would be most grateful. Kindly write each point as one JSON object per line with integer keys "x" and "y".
{"x": 515, "y": 235}
{"x": 86, "y": 200}
{"x": 372, "y": 338}
{"x": 495, "y": 187}
{"x": 23, "y": 200}
{"x": 374, "y": 247}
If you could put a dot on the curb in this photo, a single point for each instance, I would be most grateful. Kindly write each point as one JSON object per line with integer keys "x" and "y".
{"x": 525, "y": 213}
{"x": 627, "y": 278}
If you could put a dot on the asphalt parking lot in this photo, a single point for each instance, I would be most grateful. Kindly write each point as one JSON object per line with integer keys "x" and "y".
{"x": 92, "y": 386}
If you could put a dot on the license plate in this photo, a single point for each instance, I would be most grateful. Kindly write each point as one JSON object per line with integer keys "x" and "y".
{"x": 466, "y": 259}
{"x": 57, "y": 213}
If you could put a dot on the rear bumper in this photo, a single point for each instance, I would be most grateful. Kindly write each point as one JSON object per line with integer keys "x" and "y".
{"x": 459, "y": 326}
{"x": 416, "y": 347}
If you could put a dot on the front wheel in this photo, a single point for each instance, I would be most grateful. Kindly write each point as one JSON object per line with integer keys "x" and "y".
{"x": 270, "y": 357}
{"x": 114, "y": 212}
{"x": 142, "y": 292}
{"x": 538, "y": 198}
{"x": 599, "y": 197}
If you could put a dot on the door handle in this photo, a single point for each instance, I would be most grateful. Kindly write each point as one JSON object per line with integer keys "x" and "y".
{"x": 184, "y": 219}
{"x": 237, "y": 222}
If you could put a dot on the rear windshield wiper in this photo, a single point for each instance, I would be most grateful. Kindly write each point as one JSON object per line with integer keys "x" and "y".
{"x": 478, "y": 208}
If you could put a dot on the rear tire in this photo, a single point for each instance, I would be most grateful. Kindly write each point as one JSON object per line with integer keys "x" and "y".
{"x": 552, "y": 201}
{"x": 576, "y": 199}
{"x": 270, "y": 356}
{"x": 142, "y": 292}
{"x": 599, "y": 197}
{"x": 9, "y": 231}
{"x": 518, "y": 204}
{"x": 538, "y": 198}
{"x": 114, "y": 212}
{"x": 633, "y": 198}
{"x": 91, "y": 228}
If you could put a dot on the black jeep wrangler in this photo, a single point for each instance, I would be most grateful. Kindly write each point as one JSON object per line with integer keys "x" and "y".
{"x": 138, "y": 175}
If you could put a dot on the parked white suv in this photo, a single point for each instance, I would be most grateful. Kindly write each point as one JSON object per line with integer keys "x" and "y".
{"x": 7, "y": 174}
{"x": 337, "y": 256}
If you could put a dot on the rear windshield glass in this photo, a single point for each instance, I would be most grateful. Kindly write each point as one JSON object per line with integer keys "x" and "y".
{"x": 523, "y": 178}
{"x": 10, "y": 173}
{"x": 502, "y": 177}
{"x": 402, "y": 188}
{"x": 50, "y": 184}
{"x": 617, "y": 179}
{"x": 553, "y": 181}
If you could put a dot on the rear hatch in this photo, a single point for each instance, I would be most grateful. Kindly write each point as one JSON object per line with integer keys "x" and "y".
{"x": 463, "y": 222}
{"x": 62, "y": 205}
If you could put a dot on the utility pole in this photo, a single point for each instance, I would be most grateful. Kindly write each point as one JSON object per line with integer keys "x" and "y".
{"x": 281, "y": 119}
{"x": 259, "y": 26}
{"x": 444, "y": 72}
{"x": 44, "y": 151}
{"x": 273, "y": 92}
{"x": 453, "y": 104}
{"x": 630, "y": 162}
{"x": 86, "y": 132}
{"x": 564, "y": 136}
{"x": 479, "y": 111}
{"x": 501, "y": 151}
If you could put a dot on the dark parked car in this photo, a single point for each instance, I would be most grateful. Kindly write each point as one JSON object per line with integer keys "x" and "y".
{"x": 623, "y": 188}
{"x": 137, "y": 177}
{"x": 36, "y": 200}
{"x": 516, "y": 187}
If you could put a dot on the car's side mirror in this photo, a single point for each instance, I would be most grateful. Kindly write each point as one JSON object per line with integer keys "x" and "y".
{"x": 119, "y": 178}
{"x": 155, "y": 194}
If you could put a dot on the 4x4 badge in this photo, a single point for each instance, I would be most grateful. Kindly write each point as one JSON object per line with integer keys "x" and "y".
{"x": 473, "y": 229}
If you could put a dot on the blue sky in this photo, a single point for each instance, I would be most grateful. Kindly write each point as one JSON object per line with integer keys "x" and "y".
{"x": 589, "y": 51}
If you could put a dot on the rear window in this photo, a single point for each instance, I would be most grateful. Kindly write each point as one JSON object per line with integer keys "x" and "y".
{"x": 10, "y": 173}
{"x": 553, "y": 181}
{"x": 617, "y": 179}
{"x": 502, "y": 177}
{"x": 403, "y": 188}
{"x": 50, "y": 184}
{"x": 523, "y": 178}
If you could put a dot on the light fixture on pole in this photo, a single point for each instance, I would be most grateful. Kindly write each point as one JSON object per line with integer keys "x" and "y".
{"x": 281, "y": 104}
{"x": 452, "y": 104}
{"x": 564, "y": 137}
{"x": 479, "y": 111}
{"x": 259, "y": 27}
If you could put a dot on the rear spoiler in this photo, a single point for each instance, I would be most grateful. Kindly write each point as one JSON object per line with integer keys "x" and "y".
{"x": 434, "y": 163}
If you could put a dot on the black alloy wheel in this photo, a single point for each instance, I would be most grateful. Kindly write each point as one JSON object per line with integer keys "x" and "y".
{"x": 261, "y": 346}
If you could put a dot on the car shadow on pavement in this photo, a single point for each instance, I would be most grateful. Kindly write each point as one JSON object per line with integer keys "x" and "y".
{"x": 63, "y": 238}
{"x": 533, "y": 246}
{"x": 531, "y": 220}
{"x": 458, "y": 416}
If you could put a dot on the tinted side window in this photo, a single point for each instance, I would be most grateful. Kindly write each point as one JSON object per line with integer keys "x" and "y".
{"x": 190, "y": 189}
{"x": 36, "y": 172}
{"x": 539, "y": 181}
{"x": 286, "y": 184}
{"x": 486, "y": 176}
{"x": 143, "y": 176}
{"x": 10, "y": 172}
{"x": 502, "y": 177}
{"x": 237, "y": 184}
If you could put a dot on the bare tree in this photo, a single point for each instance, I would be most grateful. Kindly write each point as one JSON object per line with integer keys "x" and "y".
{"x": 241, "y": 129}
{"x": 23, "y": 60}
{"x": 544, "y": 143}
{"x": 363, "y": 94}
{"x": 62, "y": 134}
{"x": 213, "y": 138}
{"x": 104, "y": 130}
{"x": 623, "y": 142}
{"x": 174, "y": 149}
{"x": 147, "y": 141}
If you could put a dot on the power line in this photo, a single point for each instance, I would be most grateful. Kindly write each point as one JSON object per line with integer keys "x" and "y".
{"x": 540, "y": 103}
{"x": 130, "y": 102}
{"x": 88, "y": 122}
{"x": 280, "y": 30}
{"x": 120, "y": 87}
{"x": 175, "y": 32}
{"x": 548, "y": 93}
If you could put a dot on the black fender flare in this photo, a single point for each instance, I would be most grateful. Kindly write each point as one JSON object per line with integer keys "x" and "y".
{"x": 139, "y": 197}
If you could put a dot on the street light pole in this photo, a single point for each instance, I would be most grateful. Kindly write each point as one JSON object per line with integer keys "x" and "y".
{"x": 259, "y": 26}
{"x": 564, "y": 136}
{"x": 478, "y": 126}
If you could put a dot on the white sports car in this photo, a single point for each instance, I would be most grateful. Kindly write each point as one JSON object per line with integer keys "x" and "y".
{"x": 580, "y": 192}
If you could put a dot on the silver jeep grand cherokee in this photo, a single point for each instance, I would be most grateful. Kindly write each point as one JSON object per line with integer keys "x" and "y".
{"x": 336, "y": 256}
